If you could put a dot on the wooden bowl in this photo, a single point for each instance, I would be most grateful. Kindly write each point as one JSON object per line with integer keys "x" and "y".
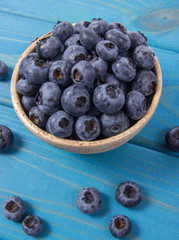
{"x": 83, "y": 147}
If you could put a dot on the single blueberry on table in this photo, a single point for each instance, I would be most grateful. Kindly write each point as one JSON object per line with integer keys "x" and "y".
{"x": 137, "y": 38}
{"x": 6, "y": 138}
{"x": 100, "y": 66}
{"x": 87, "y": 127}
{"x": 128, "y": 194}
{"x": 118, "y": 26}
{"x": 136, "y": 105}
{"x": 99, "y": 26}
{"x": 60, "y": 72}
{"x": 62, "y": 30}
{"x": 113, "y": 124}
{"x": 48, "y": 47}
{"x": 120, "y": 226}
{"x": 89, "y": 38}
{"x": 172, "y": 139}
{"x": 83, "y": 73}
{"x": 14, "y": 208}
{"x": 60, "y": 124}
{"x": 3, "y": 70}
{"x": 38, "y": 117}
{"x": 80, "y": 25}
{"x": 24, "y": 87}
{"x": 107, "y": 50}
{"x": 48, "y": 98}
{"x": 72, "y": 40}
{"x": 88, "y": 200}
{"x": 75, "y": 100}
{"x": 145, "y": 82}
{"x": 124, "y": 69}
{"x": 74, "y": 54}
{"x": 144, "y": 57}
{"x": 32, "y": 225}
{"x": 108, "y": 98}
{"x": 27, "y": 103}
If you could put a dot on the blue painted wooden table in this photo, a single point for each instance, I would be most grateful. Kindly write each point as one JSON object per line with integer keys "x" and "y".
{"x": 49, "y": 179}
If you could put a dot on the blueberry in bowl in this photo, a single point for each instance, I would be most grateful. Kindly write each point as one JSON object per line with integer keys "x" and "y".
{"x": 75, "y": 68}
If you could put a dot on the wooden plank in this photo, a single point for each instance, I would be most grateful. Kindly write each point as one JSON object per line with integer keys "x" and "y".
{"x": 49, "y": 179}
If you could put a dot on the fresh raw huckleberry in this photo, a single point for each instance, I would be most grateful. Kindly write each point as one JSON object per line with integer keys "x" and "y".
{"x": 62, "y": 30}
{"x": 32, "y": 225}
{"x": 120, "y": 226}
{"x": 172, "y": 139}
{"x": 88, "y": 200}
{"x": 24, "y": 87}
{"x": 144, "y": 57}
{"x": 100, "y": 66}
{"x": 3, "y": 70}
{"x": 6, "y": 138}
{"x": 89, "y": 38}
{"x": 75, "y": 100}
{"x": 128, "y": 194}
{"x": 60, "y": 124}
{"x": 107, "y": 50}
{"x": 38, "y": 117}
{"x": 108, "y": 98}
{"x": 74, "y": 54}
{"x": 87, "y": 127}
{"x": 137, "y": 38}
{"x": 113, "y": 124}
{"x": 14, "y": 208}
{"x": 136, "y": 105}
{"x": 27, "y": 103}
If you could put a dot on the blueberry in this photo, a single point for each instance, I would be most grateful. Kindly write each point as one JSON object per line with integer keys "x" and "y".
{"x": 99, "y": 26}
{"x": 27, "y": 103}
{"x": 48, "y": 98}
{"x": 120, "y": 226}
{"x": 107, "y": 50}
{"x": 112, "y": 79}
{"x": 136, "y": 105}
{"x": 60, "y": 124}
{"x": 87, "y": 127}
{"x": 3, "y": 70}
{"x": 60, "y": 72}
{"x": 108, "y": 98}
{"x": 89, "y": 38}
{"x": 118, "y": 26}
{"x": 6, "y": 138}
{"x": 56, "y": 58}
{"x": 83, "y": 73}
{"x": 172, "y": 139}
{"x": 35, "y": 70}
{"x": 38, "y": 117}
{"x": 124, "y": 69}
{"x": 137, "y": 38}
{"x": 24, "y": 87}
{"x": 62, "y": 30}
{"x": 33, "y": 40}
{"x": 32, "y": 225}
{"x": 75, "y": 100}
{"x": 72, "y": 40}
{"x": 14, "y": 208}
{"x": 128, "y": 194}
{"x": 48, "y": 47}
{"x": 119, "y": 38}
{"x": 145, "y": 82}
{"x": 74, "y": 54}
{"x": 144, "y": 57}
{"x": 113, "y": 124}
{"x": 94, "y": 112}
{"x": 80, "y": 25}
{"x": 100, "y": 66}
{"x": 88, "y": 200}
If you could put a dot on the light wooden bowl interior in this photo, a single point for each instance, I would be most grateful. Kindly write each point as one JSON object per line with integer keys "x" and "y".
{"x": 83, "y": 147}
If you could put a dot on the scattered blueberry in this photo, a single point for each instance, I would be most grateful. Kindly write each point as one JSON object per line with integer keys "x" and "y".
{"x": 120, "y": 226}
{"x": 24, "y": 87}
{"x": 107, "y": 50}
{"x": 172, "y": 139}
{"x": 3, "y": 70}
{"x": 108, "y": 98}
{"x": 113, "y": 124}
{"x": 80, "y": 25}
{"x": 72, "y": 40}
{"x": 137, "y": 38}
{"x": 32, "y": 225}
{"x": 27, "y": 103}
{"x": 74, "y": 54}
{"x": 14, "y": 208}
{"x": 89, "y": 38}
{"x": 136, "y": 105}
{"x": 38, "y": 117}
{"x": 128, "y": 194}
{"x": 88, "y": 200}
{"x": 99, "y": 26}
{"x": 60, "y": 124}
{"x": 100, "y": 66}
{"x": 6, "y": 138}
{"x": 145, "y": 82}
{"x": 144, "y": 57}
{"x": 87, "y": 127}
{"x": 62, "y": 30}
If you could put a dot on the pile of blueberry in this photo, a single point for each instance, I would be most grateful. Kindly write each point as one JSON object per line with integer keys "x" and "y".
{"x": 127, "y": 194}
{"x": 88, "y": 81}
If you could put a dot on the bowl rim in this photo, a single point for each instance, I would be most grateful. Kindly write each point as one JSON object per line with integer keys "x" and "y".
{"x": 67, "y": 143}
